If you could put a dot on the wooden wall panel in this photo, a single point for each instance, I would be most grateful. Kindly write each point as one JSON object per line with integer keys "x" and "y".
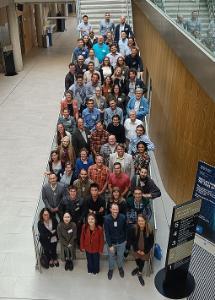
{"x": 182, "y": 122}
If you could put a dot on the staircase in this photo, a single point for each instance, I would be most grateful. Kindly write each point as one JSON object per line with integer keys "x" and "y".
{"x": 185, "y": 7}
{"x": 96, "y": 11}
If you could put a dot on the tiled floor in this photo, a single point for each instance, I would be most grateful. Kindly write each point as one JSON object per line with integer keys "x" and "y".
{"x": 29, "y": 105}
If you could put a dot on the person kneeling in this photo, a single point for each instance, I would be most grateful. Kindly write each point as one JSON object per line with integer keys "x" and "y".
{"x": 141, "y": 238}
{"x": 92, "y": 241}
{"x": 67, "y": 233}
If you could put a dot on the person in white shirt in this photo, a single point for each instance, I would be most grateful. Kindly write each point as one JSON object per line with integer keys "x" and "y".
{"x": 130, "y": 125}
{"x": 84, "y": 27}
{"x": 123, "y": 44}
{"x": 113, "y": 55}
{"x": 91, "y": 70}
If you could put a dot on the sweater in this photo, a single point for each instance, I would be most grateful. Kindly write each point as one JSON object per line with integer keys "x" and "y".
{"x": 92, "y": 242}
{"x": 115, "y": 229}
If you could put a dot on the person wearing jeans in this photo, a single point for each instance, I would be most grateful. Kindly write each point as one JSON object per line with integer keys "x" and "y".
{"x": 115, "y": 232}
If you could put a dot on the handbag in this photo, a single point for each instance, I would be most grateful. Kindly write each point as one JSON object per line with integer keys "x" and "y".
{"x": 44, "y": 261}
{"x": 157, "y": 251}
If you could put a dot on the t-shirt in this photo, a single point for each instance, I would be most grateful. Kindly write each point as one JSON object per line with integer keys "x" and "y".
{"x": 121, "y": 181}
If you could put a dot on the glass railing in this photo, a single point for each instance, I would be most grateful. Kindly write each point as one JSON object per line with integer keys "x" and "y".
{"x": 195, "y": 17}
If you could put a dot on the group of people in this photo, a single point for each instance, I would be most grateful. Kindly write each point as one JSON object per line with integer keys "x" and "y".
{"x": 99, "y": 189}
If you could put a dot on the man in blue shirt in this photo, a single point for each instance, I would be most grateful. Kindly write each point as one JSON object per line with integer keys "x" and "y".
{"x": 140, "y": 136}
{"x": 106, "y": 25}
{"x": 115, "y": 233}
{"x": 90, "y": 115}
{"x": 80, "y": 50}
{"x": 101, "y": 49}
{"x": 112, "y": 111}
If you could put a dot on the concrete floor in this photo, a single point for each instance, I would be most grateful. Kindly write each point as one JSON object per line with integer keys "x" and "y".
{"x": 29, "y": 107}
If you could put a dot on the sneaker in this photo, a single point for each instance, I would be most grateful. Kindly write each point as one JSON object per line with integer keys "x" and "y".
{"x": 56, "y": 263}
{"x": 134, "y": 272}
{"x": 121, "y": 272}
{"x": 67, "y": 265}
{"x": 141, "y": 280}
{"x": 110, "y": 274}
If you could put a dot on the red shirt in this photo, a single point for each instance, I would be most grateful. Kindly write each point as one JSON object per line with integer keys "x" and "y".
{"x": 122, "y": 181}
{"x": 92, "y": 242}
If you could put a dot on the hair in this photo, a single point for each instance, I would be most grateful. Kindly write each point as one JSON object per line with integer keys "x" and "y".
{"x": 114, "y": 204}
{"x": 80, "y": 39}
{"x": 145, "y": 168}
{"x": 84, "y": 150}
{"x": 95, "y": 74}
{"x": 120, "y": 90}
{"x": 42, "y": 212}
{"x": 70, "y": 154}
{"x": 58, "y": 134}
{"x": 85, "y": 16}
{"x": 117, "y": 164}
{"x": 111, "y": 81}
{"x": 116, "y": 116}
{"x": 94, "y": 185}
{"x": 142, "y": 143}
{"x": 89, "y": 100}
{"x": 148, "y": 229}
{"x": 142, "y": 127}
{"x": 50, "y": 160}
{"x": 68, "y": 163}
{"x": 132, "y": 71}
{"x": 86, "y": 225}
{"x": 121, "y": 146}
{"x": 72, "y": 187}
{"x": 103, "y": 62}
{"x": 90, "y": 63}
{"x": 67, "y": 212}
{"x": 68, "y": 92}
{"x": 52, "y": 152}
{"x": 113, "y": 45}
{"x": 117, "y": 62}
{"x": 79, "y": 76}
{"x": 115, "y": 189}
{"x": 71, "y": 64}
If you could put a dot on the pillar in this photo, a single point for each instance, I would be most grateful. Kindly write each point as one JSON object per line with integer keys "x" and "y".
{"x": 39, "y": 23}
{"x": 66, "y": 13}
{"x": 14, "y": 36}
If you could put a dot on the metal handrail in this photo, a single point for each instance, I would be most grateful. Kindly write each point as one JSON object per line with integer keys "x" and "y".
{"x": 211, "y": 9}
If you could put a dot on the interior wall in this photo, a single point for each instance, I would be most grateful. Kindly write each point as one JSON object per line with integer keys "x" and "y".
{"x": 29, "y": 29}
{"x": 182, "y": 121}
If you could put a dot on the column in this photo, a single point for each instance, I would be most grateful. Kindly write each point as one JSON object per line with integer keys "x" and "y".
{"x": 14, "y": 36}
{"x": 66, "y": 13}
{"x": 39, "y": 23}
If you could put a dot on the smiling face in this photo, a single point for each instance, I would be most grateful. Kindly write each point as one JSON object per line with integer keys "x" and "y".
{"x": 141, "y": 222}
{"x": 46, "y": 216}
{"x": 83, "y": 155}
{"x": 66, "y": 218}
{"x": 65, "y": 141}
{"x": 91, "y": 221}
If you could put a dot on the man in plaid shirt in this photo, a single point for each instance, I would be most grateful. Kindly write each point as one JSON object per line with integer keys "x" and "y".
{"x": 99, "y": 174}
{"x": 98, "y": 138}
{"x": 108, "y": 148}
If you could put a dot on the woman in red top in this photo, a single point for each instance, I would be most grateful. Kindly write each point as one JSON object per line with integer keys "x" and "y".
{"x": 70, "y": 103}
{"x": 92, "y": 241}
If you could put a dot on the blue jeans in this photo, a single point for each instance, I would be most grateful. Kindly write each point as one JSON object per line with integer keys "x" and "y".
{"x": 117, "y": 256}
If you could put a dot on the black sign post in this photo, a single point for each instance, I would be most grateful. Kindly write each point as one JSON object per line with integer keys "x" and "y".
{"x": 174, "y": 281}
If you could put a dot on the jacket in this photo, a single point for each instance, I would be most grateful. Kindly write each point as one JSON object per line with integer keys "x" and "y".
{"x": 79, "y": 142}
{"x": 133, "y": 238}
{"x": 143, "y": 108}
{"x": 76, "y": 208}
{"x": 127, "y": 29}
{"x": 92, "y": 242}
{"x": 148, "y": 186}
{"x": 95, "y": 207}
{"x": 45, "y": 235}
{"x": 53, "y": 199}
{"x": 115, "y": 229}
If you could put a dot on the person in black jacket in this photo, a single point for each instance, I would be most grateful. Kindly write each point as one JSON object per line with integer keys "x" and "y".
{"x": 76, "y": 207}
{"x": 132, "y": 83}
{"x": 70, "y": 76}
{"x": 123, "y": 26}
{"x": 96, "y": 204}
{"x": 117, "y": 129}
{"x": 141, "y": 239}
{"x": 147, "y": 185}
{"x": 47, "y": 227}
{"x": 81, "y": 137}
{"x": 134, "y": 61}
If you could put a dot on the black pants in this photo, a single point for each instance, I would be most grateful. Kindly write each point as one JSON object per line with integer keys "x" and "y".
{"x": 93, "y": 262}
{"x": 140, "y": 264}
{"x": 50, "y": 251}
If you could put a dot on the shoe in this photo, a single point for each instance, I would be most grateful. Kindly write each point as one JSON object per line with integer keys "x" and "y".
{"x": 121, "y": 272}
{"x": 141, "y": 280}
{"x": 51, "y": 264}
{"x": 56, "y": 264}
{"x": 134, "y": 272}
{"x": 110, "y": 274}
{"x": 126, "y": 253}
{"x": 67, "y": 265}
{"x": 71, "y": 265}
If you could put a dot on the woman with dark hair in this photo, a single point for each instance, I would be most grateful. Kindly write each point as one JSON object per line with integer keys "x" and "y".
{"x": 116, "y": 197}
{"x": 67, "y": 233}
{"x": 119, "y": 96}
{"x": 118, "y": 78}
{"x": 83, "y": 162}
{"x": 55, "y": 165}
{"x": 141, "y": 239}
{"x": 47, "y": 227}
{"x": 107, "y": 87}
{"x": 106, "y": 69}
{"x": 66, "y": 151}
{"x": 92, "y": 241}
{"x": 61, "y": 132}
{"x": 87, "y": 43}
{"x": 141, "y": 158}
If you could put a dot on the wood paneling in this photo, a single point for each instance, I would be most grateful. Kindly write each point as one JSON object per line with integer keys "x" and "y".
{"x": 182, "y": 121}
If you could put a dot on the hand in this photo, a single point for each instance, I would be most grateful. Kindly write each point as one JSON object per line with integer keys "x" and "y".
{"x": 69, "y": 246}
{"x": 90, "y": 211}
{"x": 112, "y": 250}
{"x": 101, "y": 209}
{"x": 147, "y": 195}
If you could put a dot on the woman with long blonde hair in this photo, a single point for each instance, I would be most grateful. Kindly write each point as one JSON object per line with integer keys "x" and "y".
{"x": 66, "y": 151}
